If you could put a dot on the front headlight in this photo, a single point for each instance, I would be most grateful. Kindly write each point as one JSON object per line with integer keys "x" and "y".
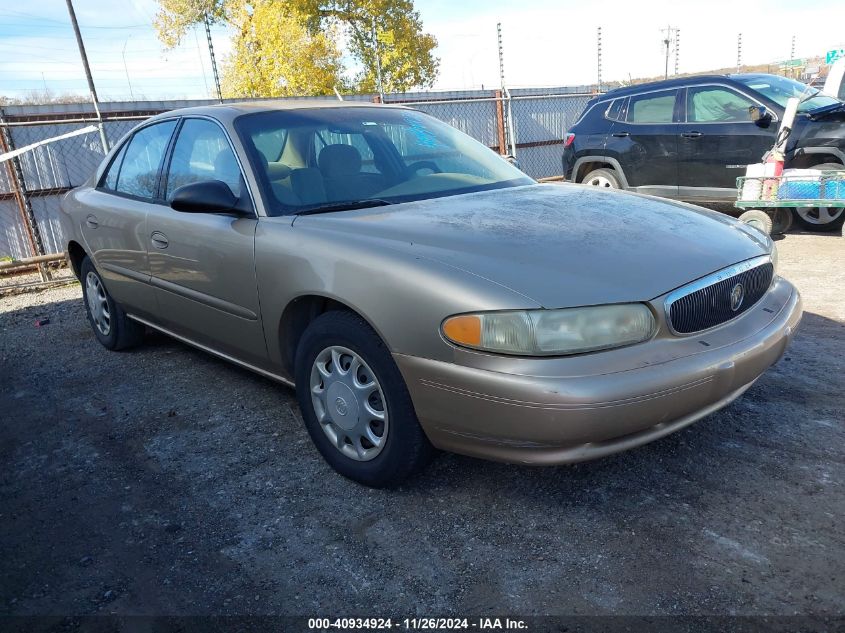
{"x": 552, "y": 332}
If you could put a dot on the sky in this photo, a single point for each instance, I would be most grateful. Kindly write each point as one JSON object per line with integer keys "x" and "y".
{"x": 546, "y": 43}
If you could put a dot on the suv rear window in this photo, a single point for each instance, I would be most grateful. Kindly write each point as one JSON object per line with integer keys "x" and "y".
{"x": 652, "y": 107}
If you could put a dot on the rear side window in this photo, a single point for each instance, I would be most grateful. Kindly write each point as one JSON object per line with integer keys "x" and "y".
{"x": 138, "y": 174}
{"x": 711, "y": 104}
{"x": 616, "y": 111}
{"x": 652, "y": 107}
{"x": 110, "y": 181}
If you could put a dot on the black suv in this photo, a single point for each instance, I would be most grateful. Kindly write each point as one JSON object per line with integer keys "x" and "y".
{"x": 690, "y": 138}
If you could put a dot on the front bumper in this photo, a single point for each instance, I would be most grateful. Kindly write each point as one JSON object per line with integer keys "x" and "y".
{"x": 545, "y": 418}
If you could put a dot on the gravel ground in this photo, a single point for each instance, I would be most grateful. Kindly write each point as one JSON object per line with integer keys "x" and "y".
{"x": 164, "y": 481}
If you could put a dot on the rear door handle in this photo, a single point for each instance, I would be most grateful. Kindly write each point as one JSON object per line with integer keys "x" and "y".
{"x": 92, "y": 222}
{"x": 159, "y": 240}
{"x": 692, "y": 134}
{"x": 621, "y": 134}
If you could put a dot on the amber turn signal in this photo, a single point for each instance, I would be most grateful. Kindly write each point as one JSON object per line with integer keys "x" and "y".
{"x": 463, "y": 329}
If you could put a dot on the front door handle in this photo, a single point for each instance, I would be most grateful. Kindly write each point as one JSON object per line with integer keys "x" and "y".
{"x": 159, "y": 240}
{"x": 92, "y": 222}
{"x": 692, "y": 134}
{"x": 621, "y": 134}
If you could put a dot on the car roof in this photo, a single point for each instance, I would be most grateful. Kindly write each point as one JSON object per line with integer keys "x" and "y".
{"x": 229, "y": 111}
{"x": 675, "y": 82}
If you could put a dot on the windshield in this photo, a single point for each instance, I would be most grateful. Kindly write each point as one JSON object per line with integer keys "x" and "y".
{"x": 319, "y": 158}
{"x": 781, "y": 89}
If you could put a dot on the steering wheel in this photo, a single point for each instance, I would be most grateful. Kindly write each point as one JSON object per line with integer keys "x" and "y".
{"x": 424, "y": 164}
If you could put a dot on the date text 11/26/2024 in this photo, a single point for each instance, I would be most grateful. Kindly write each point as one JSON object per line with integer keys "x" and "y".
{"x": 416, "y": 624}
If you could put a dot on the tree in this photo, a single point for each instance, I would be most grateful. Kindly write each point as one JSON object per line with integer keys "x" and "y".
{"x": 275, "y": 55}
{"x": 385, "y": 31}
{"x": 175, "y": 17}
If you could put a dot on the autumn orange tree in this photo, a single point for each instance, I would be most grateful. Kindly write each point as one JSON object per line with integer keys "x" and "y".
{"x": 290, "y": 47}
{"x": 385, "y": 35}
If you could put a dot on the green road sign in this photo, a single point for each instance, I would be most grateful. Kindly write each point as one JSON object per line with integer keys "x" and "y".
{"x": 832, "y": 56}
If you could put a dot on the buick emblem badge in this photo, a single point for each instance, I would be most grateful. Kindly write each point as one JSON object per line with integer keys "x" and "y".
{"x": 737, "y": 295}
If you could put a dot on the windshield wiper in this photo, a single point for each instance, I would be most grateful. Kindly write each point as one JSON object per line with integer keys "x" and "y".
{"x": 346, "y": 205}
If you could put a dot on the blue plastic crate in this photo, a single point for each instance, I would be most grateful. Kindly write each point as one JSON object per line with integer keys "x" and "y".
{"x": 799, "y": 190}
{"x": 834, "y": 190}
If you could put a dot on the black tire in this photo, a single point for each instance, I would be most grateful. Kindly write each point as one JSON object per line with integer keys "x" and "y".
{"x": 122, "y": 332}
{"x": 760, "y": 220}
{"x": 813, "y": 212}
{"x": 605, "y": 178}
{"x": 781, "y": 220}
{"x": 407, "y": 449}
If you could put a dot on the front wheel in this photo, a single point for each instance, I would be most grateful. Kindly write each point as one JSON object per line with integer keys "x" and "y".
{"x": 355, "y": 404}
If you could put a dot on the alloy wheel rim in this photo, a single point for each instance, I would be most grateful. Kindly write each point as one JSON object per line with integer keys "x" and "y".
{"x": 600, "y": 181}
{"x": 820, "y": 215}
{"x": 98, "y": 305}
{"x": 349, "y": 403}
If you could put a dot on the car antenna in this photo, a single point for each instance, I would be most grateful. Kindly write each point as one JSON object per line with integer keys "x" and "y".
{"x": 337, "y": 92}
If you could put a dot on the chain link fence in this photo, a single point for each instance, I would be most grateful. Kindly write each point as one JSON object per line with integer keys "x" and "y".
{"x": 528, "y": 124}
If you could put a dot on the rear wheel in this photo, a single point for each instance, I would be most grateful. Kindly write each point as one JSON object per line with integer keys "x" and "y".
{"x": 605, "y": 178}
{"x": 111, "y": 326}
{"x": 760, "y": 220}
{"x": 821, "y": 219}
{"x": 355, "y": 403}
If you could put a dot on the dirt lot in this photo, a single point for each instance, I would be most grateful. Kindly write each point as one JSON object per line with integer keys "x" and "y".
{"x": 164, "y": 481}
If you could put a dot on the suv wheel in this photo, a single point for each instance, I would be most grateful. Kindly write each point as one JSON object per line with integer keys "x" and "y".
{"x": 602, "y": 178}
{"x": 355, "y": 404}
{"x": 821, "y": 219}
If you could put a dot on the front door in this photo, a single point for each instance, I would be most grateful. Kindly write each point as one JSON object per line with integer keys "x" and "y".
{"x": 718, "y": 141}
{"x": 115, "y": 226}
{"x": 203, "y": 264}
{"x": 646, "y": 143}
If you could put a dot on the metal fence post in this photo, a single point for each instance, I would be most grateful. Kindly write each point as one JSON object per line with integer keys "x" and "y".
{"x": 16, "y": 178}
{"x": 511, "y": 134}
{"x": 500, "y": 123}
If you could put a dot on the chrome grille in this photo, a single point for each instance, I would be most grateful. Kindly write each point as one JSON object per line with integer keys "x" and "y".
{"x": 708, "y": 303}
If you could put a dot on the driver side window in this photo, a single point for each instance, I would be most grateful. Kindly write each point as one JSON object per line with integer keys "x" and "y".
{"x": 717, "y": 105}
{"x": 202, "y": 152}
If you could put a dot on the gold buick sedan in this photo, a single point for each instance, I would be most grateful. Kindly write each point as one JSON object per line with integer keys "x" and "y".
{"x": 419, "y": 291}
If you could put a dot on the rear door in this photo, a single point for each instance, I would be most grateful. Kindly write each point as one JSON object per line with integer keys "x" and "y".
{"x": 645, "y": 142}
{"x": 718, "y": 140}
{"x": 115, "y": 225}
{"x": 203, "y": 264}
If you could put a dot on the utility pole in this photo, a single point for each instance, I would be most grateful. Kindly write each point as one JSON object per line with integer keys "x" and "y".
{"x": 211, "y": 54}
{"x": 87, "y": 68}
{"x": 677, "y": 48}
{"x": 599, "y": 60}
{"x": 669, "y": 38}
{"x": 792, "y": 56}
{"x": 126, "y": 68}
{"x": 508, "y": 114}
{"x": 377, "y": 47}
{"x": 738, "y": 51}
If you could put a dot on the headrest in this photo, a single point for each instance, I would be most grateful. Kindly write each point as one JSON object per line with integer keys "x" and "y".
{"x": 277, "y": 171}
{"x": 339, "y": 160}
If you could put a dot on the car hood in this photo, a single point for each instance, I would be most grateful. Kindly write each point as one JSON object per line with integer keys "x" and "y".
{"x": 558, "y": 245}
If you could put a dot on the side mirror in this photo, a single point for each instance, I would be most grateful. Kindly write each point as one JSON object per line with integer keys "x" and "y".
{"x": 207, "y": 196}
{"x": 760, "y": 115}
